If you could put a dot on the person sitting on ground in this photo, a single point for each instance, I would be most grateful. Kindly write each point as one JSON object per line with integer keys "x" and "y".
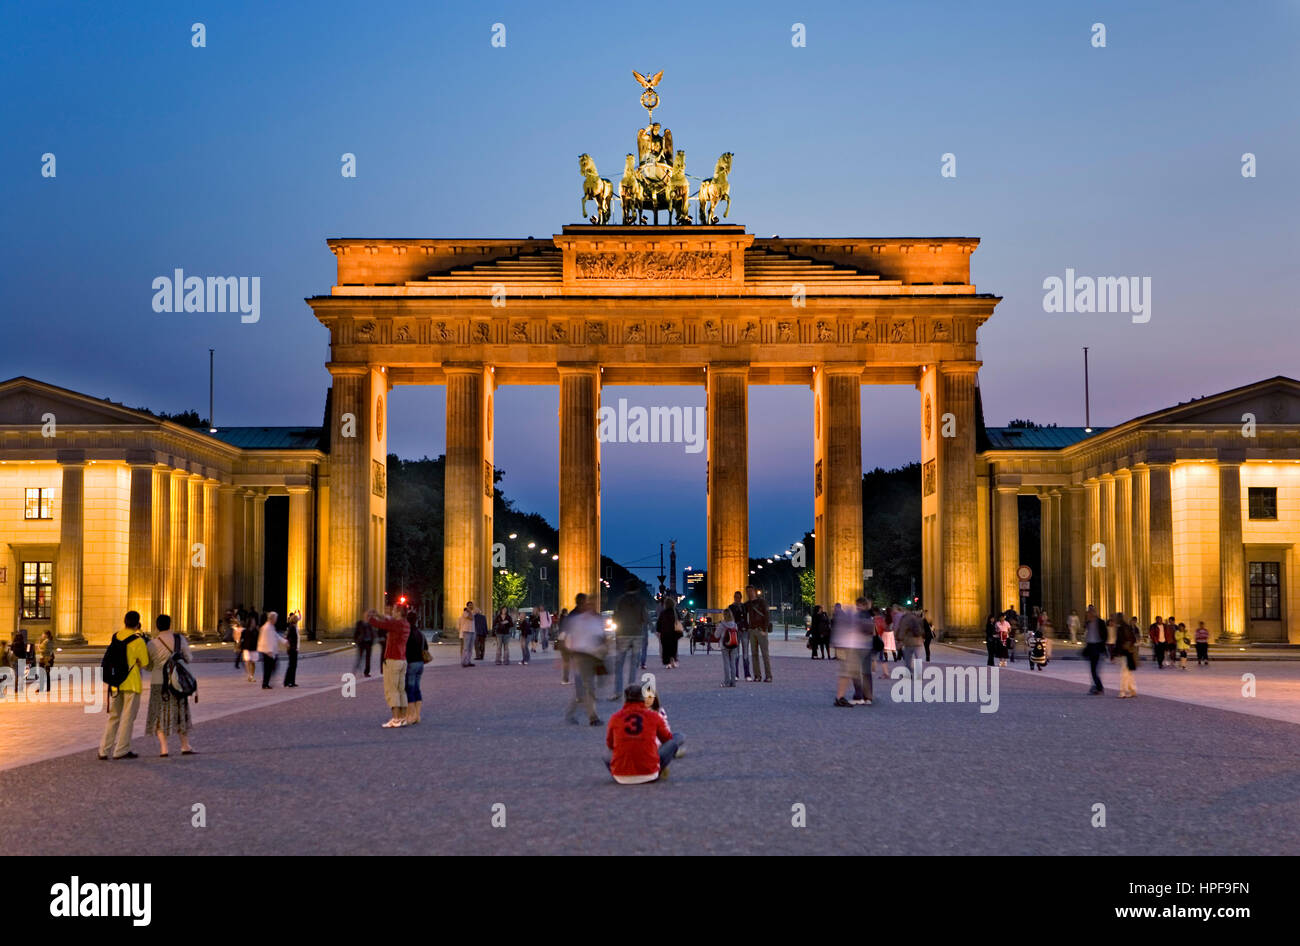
{"x": 640, "y": 744}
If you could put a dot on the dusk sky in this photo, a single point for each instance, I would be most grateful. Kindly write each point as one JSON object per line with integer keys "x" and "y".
{"x": 225, "y": 160}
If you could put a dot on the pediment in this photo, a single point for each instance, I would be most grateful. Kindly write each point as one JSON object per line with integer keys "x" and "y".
{"x": 1276, "y": 401}
{"x": 25, "y": 402}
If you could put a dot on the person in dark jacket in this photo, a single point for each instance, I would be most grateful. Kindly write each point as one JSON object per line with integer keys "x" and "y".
{"x": 480, "y": 633}
{"x": 821, "y": 632}
{"x": 291, "y": 636}
{"x": 248, "y": 647}
{"x": 928, "y": 633}
{"x": 666, "y": 628}
{"x": 415, "y": 647}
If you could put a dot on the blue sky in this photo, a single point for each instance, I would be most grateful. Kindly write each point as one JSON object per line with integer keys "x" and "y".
{"x": 225, "y": 160}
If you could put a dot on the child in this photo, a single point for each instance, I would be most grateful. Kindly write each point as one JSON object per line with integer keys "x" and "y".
{"x": 1183, "y": 645}
{"x": 729, "y": 637}
{"x": 651, "y": 699}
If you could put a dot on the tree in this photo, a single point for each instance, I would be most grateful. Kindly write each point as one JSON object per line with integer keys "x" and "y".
{"x": 508, "y": 589}
{"x": 808, "y": 586}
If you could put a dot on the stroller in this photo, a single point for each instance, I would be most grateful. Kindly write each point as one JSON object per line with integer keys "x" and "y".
{"x": 1037, "y": 646}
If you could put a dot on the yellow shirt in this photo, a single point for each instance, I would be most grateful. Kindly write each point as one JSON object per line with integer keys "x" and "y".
{"x": 137, "y": 657}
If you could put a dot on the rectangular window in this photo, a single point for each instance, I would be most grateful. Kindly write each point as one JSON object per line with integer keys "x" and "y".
{"x": 40, "y": 504}
{"x": 1263, "y": 502}
{"x": 38, "y": 590}
{"x": 1265, "y": 591}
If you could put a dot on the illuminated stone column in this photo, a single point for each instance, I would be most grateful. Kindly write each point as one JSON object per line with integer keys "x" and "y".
{"x": 1091, "y": 540}
{"x": 140, "y": 576}
{"x": 258, "y": 505}
{"x": 579, "y": 482}
{"x": 178, "y": 559}
{"x": 837, "y": 484}
{"x": 1106, "y": 573}
{"x": 349, "y": 499}
{"x": 162, "y": 542}
{"x": 229, "y": 531}
{"x": 1123, "y": 562}
{"x": 1008, "y": 517}
{"x": 467, "y": 494}
{"x": 1049, "y": 554}
{"x": 1073, "y": 560}
{"x": 1161, "y": 538}
{"x": 72, "y": 530}
{"x": 959, "y": 542}
{"x": 1232, "y": 554}
{"x": 196, "y": 563}
{"x": 1140, "y": 513}
{"x": 728, "y": 482}
{"x": 210, "y": 613}
{"x": 299, "y": 547}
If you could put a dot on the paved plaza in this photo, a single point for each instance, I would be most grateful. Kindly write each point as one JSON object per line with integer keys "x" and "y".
{"x": 310, "y": 771}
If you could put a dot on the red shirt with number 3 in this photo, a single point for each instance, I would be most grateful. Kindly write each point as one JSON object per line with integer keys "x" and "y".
{"x": 633, "y": 735}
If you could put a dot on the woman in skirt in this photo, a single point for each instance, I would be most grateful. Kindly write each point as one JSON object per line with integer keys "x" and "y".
{"x": 168, "y": 713}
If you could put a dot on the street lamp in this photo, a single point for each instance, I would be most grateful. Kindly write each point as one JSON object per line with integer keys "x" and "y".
{"x": 532, "y": 545}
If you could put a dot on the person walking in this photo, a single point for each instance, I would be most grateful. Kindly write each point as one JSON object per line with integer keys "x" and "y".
{"x": 501, "y": 628}
{"x": 668, "y": 627}
{"x": 269, "y": 642}
{"x": 465, "y": 630}
{"x": 911, "y": 637}
{"x": 525, "y": 637}
{"x": 544, "y": 627}
{"x": 1072, "y": 624}
{"x": 393, "y": 663}
{"x": 1094, "y": 647}
{"x": 927, "y": 632}
{"x": 1157, "y": 634}
{"x": 1202, "y": 644}
{"x": 819, "y": 619}
{"x": 45, "y": 658}
{"x": 849, "y": 637}
{"x": 168, "y": 712}
{"x": 1126, "y": 645}
{"x": 630, "y": 616}
{"x": 1004, "y": 636}
{"x": 584, "y": 639}
{"x": 363, "y": 635}
{"x": 759, "y": 622}
{"x": 291, "y": 639}
{"x": 128, "y": 652}
{"x": 562, "y": 647}
{"x": 248, "y": 644}
{"x": 417, "y": 654}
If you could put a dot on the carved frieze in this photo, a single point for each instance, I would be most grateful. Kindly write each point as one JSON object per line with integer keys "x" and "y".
{"x": 653, "y": 264}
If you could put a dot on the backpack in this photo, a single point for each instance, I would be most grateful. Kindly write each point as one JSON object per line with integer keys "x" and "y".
{"x": 114, "y": 663}
{"x": 177, "y": 679}
{"x": 730, "y": 637}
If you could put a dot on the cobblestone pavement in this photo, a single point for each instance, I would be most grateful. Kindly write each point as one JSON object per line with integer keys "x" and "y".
{"x": 317, "y": 774}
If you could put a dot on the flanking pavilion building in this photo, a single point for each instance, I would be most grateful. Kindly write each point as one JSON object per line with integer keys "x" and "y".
{"x": 1192, "y": 511}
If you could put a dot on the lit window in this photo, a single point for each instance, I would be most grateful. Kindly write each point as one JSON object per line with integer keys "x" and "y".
{"x": 1263, "y": 502}
{"x": 40, "y": 504}
{"x": 1265, "y": 591}
{"x": 38, "y": 583}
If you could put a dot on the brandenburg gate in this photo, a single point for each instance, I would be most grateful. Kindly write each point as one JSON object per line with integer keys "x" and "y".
{"x": 638, "y": 303}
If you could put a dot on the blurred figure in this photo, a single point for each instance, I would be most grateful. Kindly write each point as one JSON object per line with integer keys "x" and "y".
{"x": 850, "y": 641}
{"x": 248, "y": 644}
{"x": 563, "y": 648}
{"x": 1126, "y": 645}
{"x": 1157, "y": 634}
{"x": 630, "y": 616}
{"x": 820, "y": 622}
{"x": 668, "y": 627}
{"x": 1072, "y": 625}
{"x": 1094, "y": 646}
{"x": 544, "y": 627}
{"x": 927, "y": 630}
{"x": 45, "y": 657}
{"x": 363, "y": 635}
{"x": 480, "y": 632}
{"x": 525, "y": 635}
{"x": 584, "y": 639}
{"x": 911, "y": 637}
